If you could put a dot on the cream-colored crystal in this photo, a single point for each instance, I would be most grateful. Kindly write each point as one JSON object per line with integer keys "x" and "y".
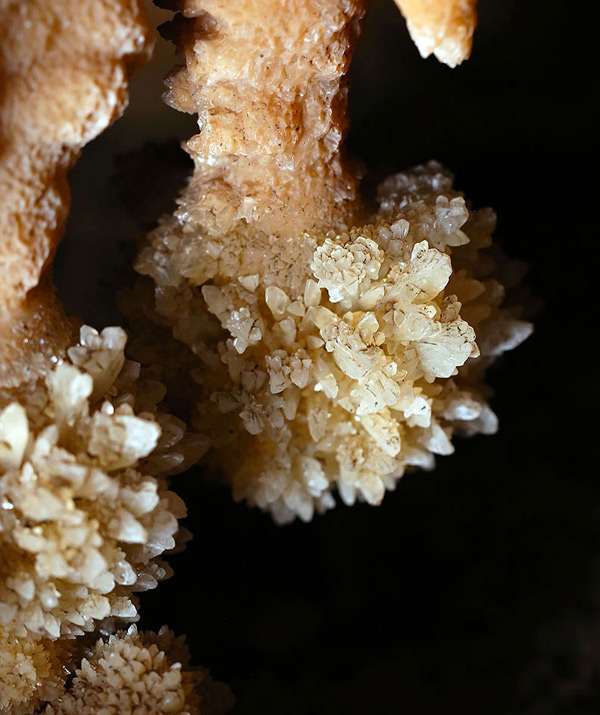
{"x": 355, "y": 356}
{"x": 82, "y": 525}
{"x": 142, "y": 673}
{"x": 333, "y": 345}
{"x": 32, "y": 671}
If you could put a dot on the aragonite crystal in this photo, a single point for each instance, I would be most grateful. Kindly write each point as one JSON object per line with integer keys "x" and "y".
{"x": 336, "y": 344}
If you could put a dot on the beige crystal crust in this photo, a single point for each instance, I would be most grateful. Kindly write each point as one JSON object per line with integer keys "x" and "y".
{"x": 128, "y": 672}
{"x": 332, "y": 345}
{"x": 142, "y": 673}
{"x": 267, "y": 80}
{"x": 32, "y": 671}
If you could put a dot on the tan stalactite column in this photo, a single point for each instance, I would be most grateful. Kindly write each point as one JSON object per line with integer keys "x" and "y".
{"x": 267, "y": 80}
{"x": 63, "y": 79}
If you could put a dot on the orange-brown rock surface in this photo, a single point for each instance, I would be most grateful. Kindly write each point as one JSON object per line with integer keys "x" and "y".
{"x": 63, "y": 79}
{"x": 267, "y": 80}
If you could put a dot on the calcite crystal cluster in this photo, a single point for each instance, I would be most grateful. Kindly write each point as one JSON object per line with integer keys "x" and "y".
{"x": 132, "y": 672}
{"x": 85, "y": 510}
{"x": 336, "y": 343}
{"x": 32, "y": 672}
{"x": 81, "y": 527}
{"x": 339, "y": 360}
{"x": 324, "y": 342}
{"x": 126, "y": 672}
{"x": 85, "y": 517}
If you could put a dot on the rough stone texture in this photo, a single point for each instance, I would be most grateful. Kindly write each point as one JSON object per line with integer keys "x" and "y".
{"x": 63, "y": 74}
{"x": 442, "y": 27}
{"x": 267, "y": 80}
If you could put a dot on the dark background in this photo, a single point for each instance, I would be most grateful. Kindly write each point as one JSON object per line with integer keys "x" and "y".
{"x": 475, "y": 588}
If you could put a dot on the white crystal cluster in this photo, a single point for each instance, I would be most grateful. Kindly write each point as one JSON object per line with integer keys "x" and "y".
{"x": 141, "y": 673}
{"x": 32, "y": 671}
{"x": 82, "y": 525}
{"x": 338, "y": 360}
